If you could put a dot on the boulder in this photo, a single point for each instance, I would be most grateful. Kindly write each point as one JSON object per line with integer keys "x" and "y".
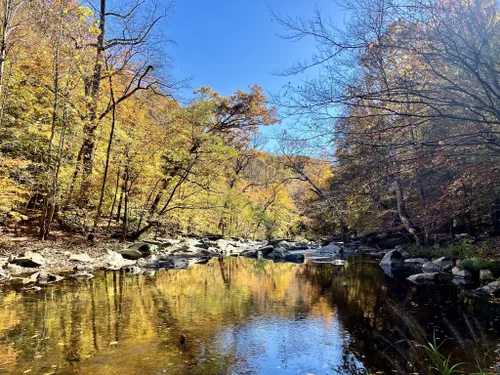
{"x": 45, "y": 278}
{"x": 249, "y": 254}
{"x": 29, "y": 259}
{"x": 431, "y": 267}
{"x": 82, "y": 258}
{"x": 392, "y": 259}
{"x": 131, "y": 254}
{"x": 156, "y": 261}
{"x": 266, "y": 250}
{"x": 461, "y": 274}
{"x": 485, "y": 275}
{"x": 331, "y": 248}
{"x": 492, "y": 289}
{"x": 143, "y": 247}
{"x": 114, "y": 261}
{"x": 415, "y": 262}
{"x": 445, "y": 263}
{"x": 422, "y": 278}
{"x": 294, "y": 258}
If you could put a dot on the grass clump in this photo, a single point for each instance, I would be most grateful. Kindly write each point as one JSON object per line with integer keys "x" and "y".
{"x": 460, "y": 250}
{"x": 474, "y": 265}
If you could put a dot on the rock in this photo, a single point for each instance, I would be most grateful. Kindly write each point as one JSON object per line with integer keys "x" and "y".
{"x": 143, "y": 247}
{"x": 275, "y": 241}
{"x": 339, "y": 262}
{"x": 421, "y": 278}
{"x": 131, "y": 254}
{"x": 431, "y": 267}
{"x": 83, "y": 268}
{"x": 415, "y": 262}
{"x": 485, "y": 275}
{"x": 445, "y": 263}
{"x": 298, "y": 246}
{"x": 277, "y": 253}
{"x": 133, "y": 270}
{"x": 249, "y": 254}
{"x": 82, "y": 275}
{"x": 29, "y": 259}
{"x": 491, "y": 289}
{"x": 393, "y": 259}
{"x": 266, "y": 250}
{"x": 294, "y": 258}
{"x": 114, "y": 261}
{"x": 83, "y": 258}
{"x": 45, "y": 278}
{"x": 331, "y": 248}
{"x": 156, "y": 261}
{"x": 461, "y": 274}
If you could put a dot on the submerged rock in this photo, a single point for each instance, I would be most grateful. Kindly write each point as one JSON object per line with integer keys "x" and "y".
{"x": 392, "y": 259}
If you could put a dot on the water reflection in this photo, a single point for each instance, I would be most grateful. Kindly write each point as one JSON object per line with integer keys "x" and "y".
{"x": 239, "y": 317}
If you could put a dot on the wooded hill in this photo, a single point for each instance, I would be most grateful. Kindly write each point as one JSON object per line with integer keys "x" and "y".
{"x": 92, "y": 139}
{"x": 410, "y": 94}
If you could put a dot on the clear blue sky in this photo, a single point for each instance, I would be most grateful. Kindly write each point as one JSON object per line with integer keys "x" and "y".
{"x": 233, "y": 44}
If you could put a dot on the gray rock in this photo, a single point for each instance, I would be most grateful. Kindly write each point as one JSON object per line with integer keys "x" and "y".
{"x": 422, "y": 278}
{"x": 392, "y": 259}
{"x": 461, "y": 274}
{"x": 142, "y": 247}
{"x": 331, "y": 248}
{"x": 266, "y": 250}
{"x": 445, "y": 263}
{"x": 485, "y": 275}
{"x": 431, "y": 267}
{"x": 45, "y": 278}
{"x": 156, "y": 261}
{"x": 415, "y": 262}
{"x": 114, "y": 261}
{"x": 82, "y": 258}
{"x": 492, "y": 289}
{"x": 29, "y": 259}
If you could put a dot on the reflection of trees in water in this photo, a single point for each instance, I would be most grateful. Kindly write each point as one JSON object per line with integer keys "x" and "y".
{"x": 76, "y": 322}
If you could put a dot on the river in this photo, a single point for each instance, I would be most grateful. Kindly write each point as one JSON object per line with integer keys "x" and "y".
{"x": 239, "y": 316}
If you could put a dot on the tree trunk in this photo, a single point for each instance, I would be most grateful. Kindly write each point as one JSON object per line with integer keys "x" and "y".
{"x": 403, "y": 214}
{"x": 108, "y": 152}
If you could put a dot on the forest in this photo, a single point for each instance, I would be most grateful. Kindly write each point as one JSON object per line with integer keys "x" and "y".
{"x": 398, "y": 132}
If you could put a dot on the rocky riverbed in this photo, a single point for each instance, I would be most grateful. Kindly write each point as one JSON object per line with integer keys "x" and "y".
{"x": 50, "y": 263}
{"x": 443, "y": 269}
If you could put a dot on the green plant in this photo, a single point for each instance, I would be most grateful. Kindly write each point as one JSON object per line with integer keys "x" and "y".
{"x": 439, "y": 363}
{"x": 459, "y": 250}
{"x": 476, "y": 264}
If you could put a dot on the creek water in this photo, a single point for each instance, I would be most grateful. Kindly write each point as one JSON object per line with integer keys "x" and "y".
{"x": 240, "y": 316}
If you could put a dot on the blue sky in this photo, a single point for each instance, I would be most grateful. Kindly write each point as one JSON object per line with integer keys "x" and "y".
{"x": 233, "y": 44}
